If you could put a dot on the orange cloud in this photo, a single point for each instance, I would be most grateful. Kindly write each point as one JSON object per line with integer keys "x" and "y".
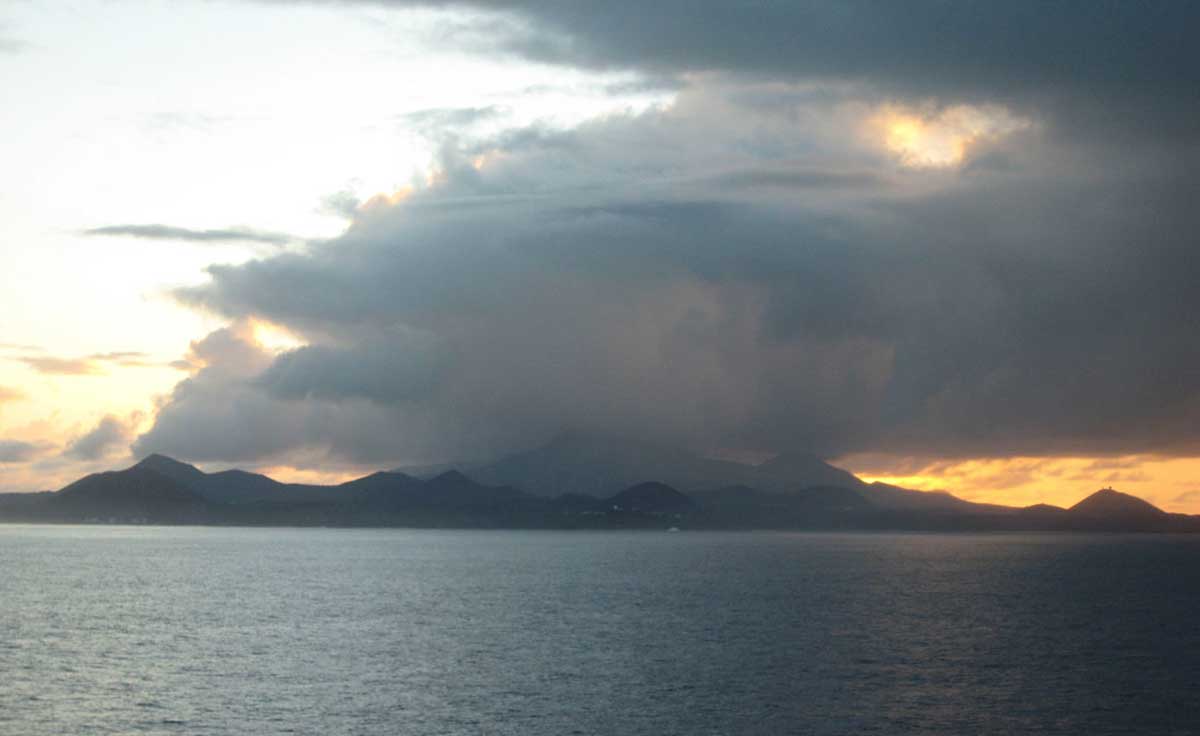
{"x": 89, "y": 365}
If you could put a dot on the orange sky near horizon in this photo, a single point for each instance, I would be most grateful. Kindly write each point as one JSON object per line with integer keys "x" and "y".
{"x": 1171, "y": 483}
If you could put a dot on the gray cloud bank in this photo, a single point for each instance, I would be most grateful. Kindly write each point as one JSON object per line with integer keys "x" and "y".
{"x": 746, "y": 270}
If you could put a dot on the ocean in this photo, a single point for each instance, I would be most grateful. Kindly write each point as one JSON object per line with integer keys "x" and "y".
{"x": 190, "y": 630}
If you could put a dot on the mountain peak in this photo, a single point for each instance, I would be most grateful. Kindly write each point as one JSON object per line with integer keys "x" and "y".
{"x": 168, "y": 466}
{"x": 1110, "y": 502}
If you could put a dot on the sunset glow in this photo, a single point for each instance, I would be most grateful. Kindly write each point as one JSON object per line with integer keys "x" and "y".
{"x": 941, "y": 138}
{"x": 1172, "y": 484}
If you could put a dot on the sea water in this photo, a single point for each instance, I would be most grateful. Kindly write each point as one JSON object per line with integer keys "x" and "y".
{"x": 159, "y": 630}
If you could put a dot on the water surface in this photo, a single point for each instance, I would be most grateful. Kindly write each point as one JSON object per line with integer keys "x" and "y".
{"x": 318, "y": 631}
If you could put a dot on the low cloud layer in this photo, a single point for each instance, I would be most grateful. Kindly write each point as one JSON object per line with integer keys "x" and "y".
{"x": 168, "y": 232}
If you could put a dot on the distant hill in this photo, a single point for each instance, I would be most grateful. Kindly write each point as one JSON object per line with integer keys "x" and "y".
{"x": 138, "y": 493}
{"x": 235, "y": 486}
{"x": 1107, "y": 503}
{"x": 1111, "y": 510}
{"x": 651, "y": 497}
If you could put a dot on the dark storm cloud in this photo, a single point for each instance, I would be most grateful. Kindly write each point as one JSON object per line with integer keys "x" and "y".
{"x": 110, "y": 435}
{"x": 748, "y": 268}
{"x": 387, "y": 372}
{"x": 605, "y": 279}
{"x": 1136, "y": 61}
{"x": 167, "y": 232}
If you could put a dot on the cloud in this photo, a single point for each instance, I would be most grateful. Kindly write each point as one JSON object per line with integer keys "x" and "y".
{"x": 17, "y": 451}
{"x": 785, "y": 178}
{"x": 222, "y": 413}
{"x": 344, "y": 204}
{"x": 107, "y": 437}
{"x": 90, "y": 365}
{"x": 62, "y": 366}
{"x": 859, "y": 227}
{"x": 437, "y": 121}
{"x": 1108, "y": 65}
{"x": 746, "y": 269}
{"x": 396, "y": 370}
{"x": 168, "y": 232}
{"x": 11, "y": 394}
{"x": 1187, "y": 497}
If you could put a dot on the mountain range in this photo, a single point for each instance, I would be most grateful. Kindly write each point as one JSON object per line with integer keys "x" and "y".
{"x": 571, "y": 482}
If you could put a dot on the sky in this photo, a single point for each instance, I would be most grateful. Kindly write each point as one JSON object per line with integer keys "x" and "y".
{"x": 945, "y": 245}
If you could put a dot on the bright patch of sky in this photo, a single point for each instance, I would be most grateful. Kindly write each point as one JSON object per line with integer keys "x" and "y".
{"x": 211, "y": 116}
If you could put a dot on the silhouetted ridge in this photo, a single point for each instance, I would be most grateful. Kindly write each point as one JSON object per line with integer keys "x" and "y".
{"x": 161, "y": 490}
{"x": 1110, "y": 503}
